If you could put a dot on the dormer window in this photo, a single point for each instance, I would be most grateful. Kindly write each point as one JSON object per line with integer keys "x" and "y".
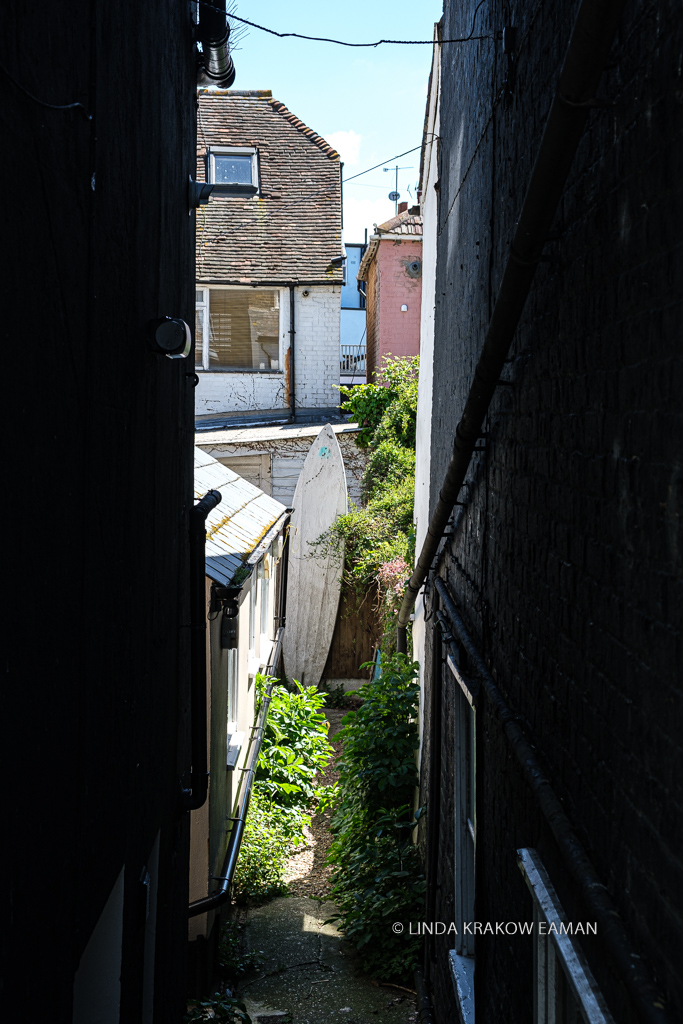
{"x": 233, "y": 170}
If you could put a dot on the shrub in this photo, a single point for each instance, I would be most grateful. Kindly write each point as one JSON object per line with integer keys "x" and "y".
{"x": 268, "y": 839}
{"x": 382, "y": 530}
{"x": 295, "y": 744}
{"x": 376, "y": 879}
{"x": 294, "y": 748}
{"x": 222, "y": 1008}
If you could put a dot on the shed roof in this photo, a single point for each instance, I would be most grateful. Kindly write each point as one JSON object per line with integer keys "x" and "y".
{"x": 291, "y": 230}
{"x": 238, "y": 524}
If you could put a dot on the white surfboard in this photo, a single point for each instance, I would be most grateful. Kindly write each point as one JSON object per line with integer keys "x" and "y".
{"x": 314, "y": 573}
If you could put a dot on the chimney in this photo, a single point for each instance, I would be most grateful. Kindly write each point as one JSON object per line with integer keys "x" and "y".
{"x": 402, "y": 207}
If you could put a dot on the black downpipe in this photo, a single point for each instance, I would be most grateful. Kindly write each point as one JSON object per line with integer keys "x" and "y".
{"x": 284, "y": 575}
{"x": 611, "y": 930}
{"x": 241, "y": 808}
{"x": 195, "y": 796}
{"x": 214, "y": 32}
{"x": 292, "y": 332}
{"x": 586, "y": 56}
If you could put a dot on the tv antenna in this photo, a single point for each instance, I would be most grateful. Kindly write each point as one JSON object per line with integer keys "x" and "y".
{"x": 396, "y": 195}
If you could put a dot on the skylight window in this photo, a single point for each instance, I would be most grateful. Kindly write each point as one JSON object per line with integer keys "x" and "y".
{"x": 233, "y": 170}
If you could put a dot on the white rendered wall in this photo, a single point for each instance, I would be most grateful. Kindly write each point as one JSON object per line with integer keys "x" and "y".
{"x": 316, "y": 362}
{"x": 424, "y": 390}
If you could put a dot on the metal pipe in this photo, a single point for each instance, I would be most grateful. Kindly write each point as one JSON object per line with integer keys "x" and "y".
{"x": 631, "y": 968}
{"x": 292, "y": 332}
{"x": 434, "y": 799}
{"x": 424, "y": 1005}
{"x": 587, "y": 53}
{"x": 241, "y": 808}
{"x": 214, "y": 31}
{"x": 195, "y": 796}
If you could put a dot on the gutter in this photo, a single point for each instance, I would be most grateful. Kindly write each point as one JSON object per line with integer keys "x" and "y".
{"x": 216, "y": 66}
{"x": 587, "y": 53}
{"x": 630, "y": 967}
{"x": 195, "y": 796}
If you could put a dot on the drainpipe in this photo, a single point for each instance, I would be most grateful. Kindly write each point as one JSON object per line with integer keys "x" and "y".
{"x": 292, "y": 332}
{"x": 195, "y": 796}
{"x": 213, "y": 33}
{"x": 631, "y": 969}
{"x": 434, "y": 790}
{"x": 586, "y": 56}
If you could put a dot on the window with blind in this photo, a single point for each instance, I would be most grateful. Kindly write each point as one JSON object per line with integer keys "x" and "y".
{"x": 238, "y": 329}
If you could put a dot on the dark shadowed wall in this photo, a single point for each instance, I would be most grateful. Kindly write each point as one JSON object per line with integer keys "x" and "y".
{"x": 567, "y": 559}
{"x": 98, "y": 436}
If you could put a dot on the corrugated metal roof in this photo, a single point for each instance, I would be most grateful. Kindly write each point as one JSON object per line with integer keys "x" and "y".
{"x": 238, "y": 524}
{"x": 276, "y": 432}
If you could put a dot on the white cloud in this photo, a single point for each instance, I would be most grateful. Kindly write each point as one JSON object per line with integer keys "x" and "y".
{"x": 360, "y": 214}
{"x": 347, "y": 145}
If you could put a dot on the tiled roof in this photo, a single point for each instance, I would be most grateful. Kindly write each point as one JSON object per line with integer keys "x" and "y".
{"x": 240, "y": 521}
{"x": 408, "y": 223}
{"x": 291, "y": 230}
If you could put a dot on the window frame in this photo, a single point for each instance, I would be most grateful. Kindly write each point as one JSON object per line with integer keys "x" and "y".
{"x": 234, "y": 188}
{"x": 461, "y": 957}
{"x": 203, "y": 365}
{"x": 560, "y": 966}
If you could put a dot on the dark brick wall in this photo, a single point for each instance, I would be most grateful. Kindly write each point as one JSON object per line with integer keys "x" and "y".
{"x": 568, "y": 558}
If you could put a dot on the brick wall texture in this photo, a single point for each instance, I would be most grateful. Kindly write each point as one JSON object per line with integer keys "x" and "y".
{"x": 568, "y": 558}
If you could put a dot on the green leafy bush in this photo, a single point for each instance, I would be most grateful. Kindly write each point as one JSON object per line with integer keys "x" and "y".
{"x": 295, "y": 744}
{"x": 381, "y": 531}
{"x": 295, "y": 747}
{"x": 390, "y": 405}
{"x": 377, "y": 879}
{"x": 269, "y": 836}
{"x": 221, "y": 1008}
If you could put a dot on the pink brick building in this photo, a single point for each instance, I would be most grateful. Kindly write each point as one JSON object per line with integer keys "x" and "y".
{"x": 392, "y": 271}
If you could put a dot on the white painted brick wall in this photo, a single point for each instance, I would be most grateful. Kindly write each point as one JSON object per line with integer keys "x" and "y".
{"x": 316, "y": 364}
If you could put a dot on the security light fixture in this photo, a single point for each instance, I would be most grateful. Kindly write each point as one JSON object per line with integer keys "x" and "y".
{"x": 198, "y": 193}
{"x": 170, "y": 336}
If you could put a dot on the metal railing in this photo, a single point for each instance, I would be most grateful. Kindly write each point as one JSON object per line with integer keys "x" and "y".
{"x": 352, "y": 358}
{"x": 241, "y": 807}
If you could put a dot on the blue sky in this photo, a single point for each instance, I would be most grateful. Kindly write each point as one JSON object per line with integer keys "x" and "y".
{"x": 369, "y": 104}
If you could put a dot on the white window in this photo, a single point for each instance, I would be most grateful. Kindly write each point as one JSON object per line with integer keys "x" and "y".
{"x": 253, "y": 591}
{"x": 232, "y": 690}
{"x": 238, "y": 329}
{"x": 264, "y": 599}
{"x": 233, "y": 170}
{"x": 565, "y": 991}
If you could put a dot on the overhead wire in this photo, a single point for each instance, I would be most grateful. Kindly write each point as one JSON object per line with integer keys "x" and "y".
{"x": 343, "y": 42}
{"x": 42, "y": 103}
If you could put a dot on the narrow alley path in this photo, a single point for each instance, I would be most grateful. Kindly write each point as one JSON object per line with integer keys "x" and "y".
{"x": 310, "y": 974}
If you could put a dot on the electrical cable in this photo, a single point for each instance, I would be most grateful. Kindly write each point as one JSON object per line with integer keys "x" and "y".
{"x": 341, "y": 42}
{"x": 42, "y": 103}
